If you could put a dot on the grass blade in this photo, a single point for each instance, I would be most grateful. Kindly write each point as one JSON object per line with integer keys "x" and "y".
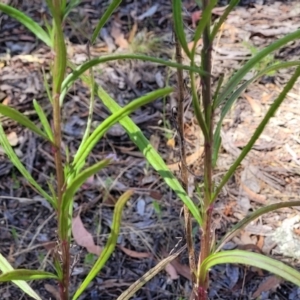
{"x": 179, "y": 26}
{"x": 34, "y": 27}
{"x": 239, "y": 75}
{"x": 77, "y": 72}
{"x": 236, "y": 228}
{"x": 73, "y": 186}
{"x": 43, "y": 119}
{"x": 110, "y": 245}
{"x": 154, "y": 159}
{"x": 21, "y": 119}
{"x": 24, "y": 286}
{"x": 108, "y": 12}
{"x": 252, "y": 259}
{"x": 24, "y": 274}
{"x": 258, "y": 131}
{"x": 226, "y": 108}
{"x": 111, "y": 120}
{"x": 223, "y": 17}
{"x": 17, "y": 163}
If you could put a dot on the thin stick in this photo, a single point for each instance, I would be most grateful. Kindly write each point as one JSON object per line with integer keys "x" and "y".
{"x": 184, "y": 171}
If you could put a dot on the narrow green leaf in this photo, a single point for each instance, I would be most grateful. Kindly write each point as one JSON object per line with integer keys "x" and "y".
{"x": 72, "y": 188}
{"x": 24, "y": 286}
{"x": 77, "y": 72}
{"x": 205, "y": 19}
{"x": 154, "y": 159}
{"x": 110, "y": 245}
{"x": 226, "y": 108}
{"x": 259, "y": 212}
{"x": 223, "y": 17}
{"x": 105, "y": 17}
{"x": 113, "y": 119}
{"x": 148, "y": 151}
{"x": 35, "y": 28}
{"x": 252, "y": 259}
{"x": 24, "y": 274}
{"x": 258, "y": 131}
{"x": 196, "y": 105}
{"x": 179, "y": 26}
{"x": 21, "y": 119}
{"x": 59, "y": 47}
{"x": 72, "y": 4}
{"x": 17, "y": 163}
{"x": 239, "y": 75}
{"x": 43, "y": 119}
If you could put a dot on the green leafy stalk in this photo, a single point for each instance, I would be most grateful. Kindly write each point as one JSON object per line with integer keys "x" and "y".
{"x": 205, "y": 19}
{"x": 58, "y": 74}
{"x": 206, "y": 237}
{"x": 154, "y": 159}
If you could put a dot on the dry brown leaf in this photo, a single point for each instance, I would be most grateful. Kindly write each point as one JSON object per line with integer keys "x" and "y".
{"x": 181, "y": 269}
{"x": 260, "y": 242}
{"x": 170, "y": 269}
{"x": 191, "y": 44}
{"x": 13, "y": 139}
{"x": 83, "y": 237}
{"x": 52, "y": 290}
{"x": 118, "y": 36}
{"x": 189, "y": 160}
{"x": 133, "y": 32}
{"x": 135, "y": 254}
{"x": 228, "y": 211}
{"x": 253, "y": 196}
{"x": 256, "y": 107}
{"x": 171, "y": 143}
{"x": 270, "y": 283}
{"x": 155, "y": 140}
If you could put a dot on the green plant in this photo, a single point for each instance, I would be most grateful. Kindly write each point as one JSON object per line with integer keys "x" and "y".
{"x": 90, "y": 259}
{"x": 71, "y": 176}
{"x": 267, "y": 61}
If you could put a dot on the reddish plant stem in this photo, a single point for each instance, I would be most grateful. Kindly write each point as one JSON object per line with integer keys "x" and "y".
{"x": 208, "y": 168}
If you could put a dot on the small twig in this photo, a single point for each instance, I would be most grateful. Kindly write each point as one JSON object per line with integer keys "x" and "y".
{"x": 184, "y": 171}
{"x": 182, "y": 145}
